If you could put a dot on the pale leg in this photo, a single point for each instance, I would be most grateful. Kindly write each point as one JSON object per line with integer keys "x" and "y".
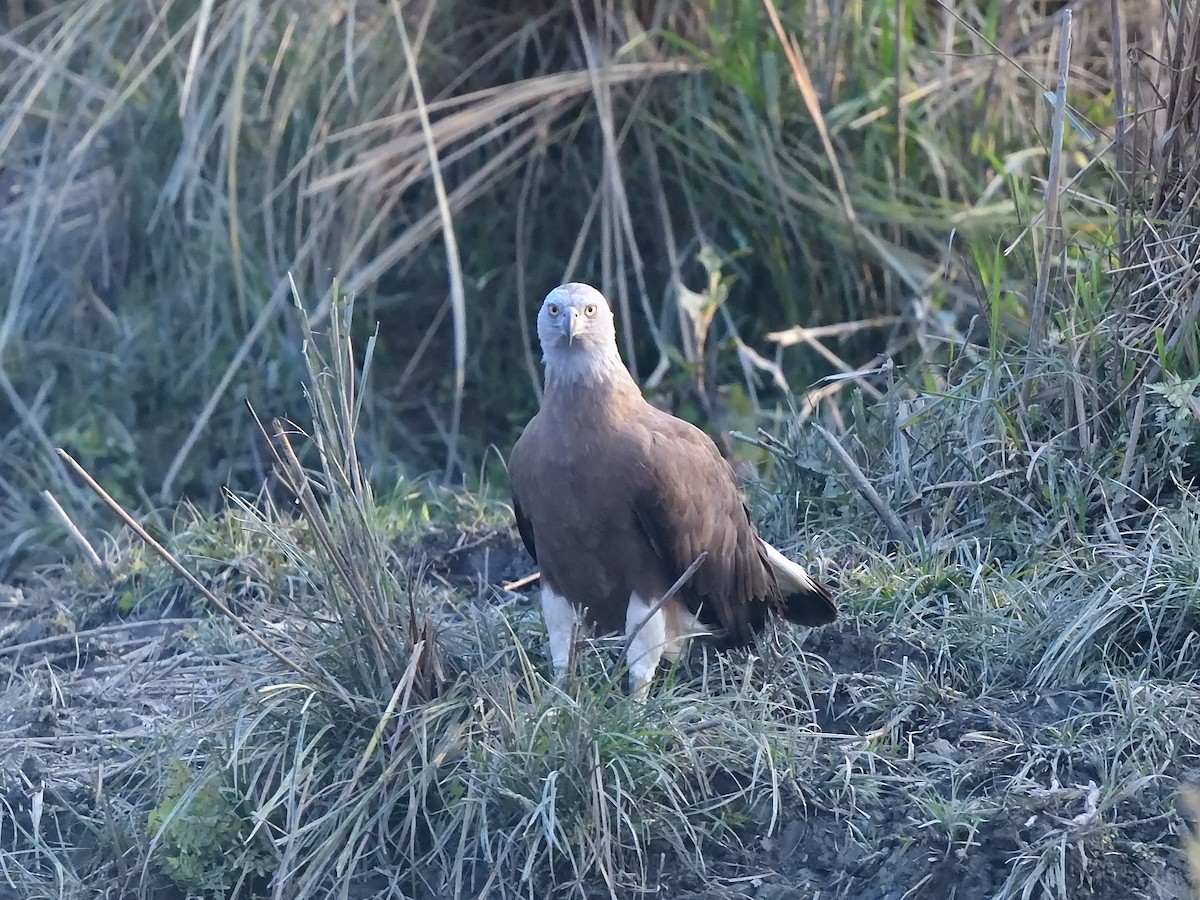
{"x": 647, "y": 648}
{"x": 560, "y": 628}
{"x": 681, "y": 625}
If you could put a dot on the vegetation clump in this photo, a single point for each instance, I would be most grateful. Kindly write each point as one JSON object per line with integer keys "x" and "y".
{"x": 203, "y": 839}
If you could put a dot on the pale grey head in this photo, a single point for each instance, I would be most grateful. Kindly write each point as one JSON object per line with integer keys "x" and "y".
{"x": 578, "y": 335}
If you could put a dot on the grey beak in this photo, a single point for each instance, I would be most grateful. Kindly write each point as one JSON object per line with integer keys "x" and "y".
{"x": 575, "y": 326}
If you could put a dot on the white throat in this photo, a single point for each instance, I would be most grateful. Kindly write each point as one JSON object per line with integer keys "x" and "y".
{"x": 576, "y": 366}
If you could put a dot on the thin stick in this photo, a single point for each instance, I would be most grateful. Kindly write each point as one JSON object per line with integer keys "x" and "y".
{"x": 175, "y": 564}
{"x": 847, "y": 370}
{"x": 898, "y": 530}
{"x": 1067, "y": 188}
{"x": 798, "y": 333}
{"x": 522, "y": 582}
{"x": 61, "y": 514}
{"x": 99, "y": 631}
{"x": 664, "y": 599}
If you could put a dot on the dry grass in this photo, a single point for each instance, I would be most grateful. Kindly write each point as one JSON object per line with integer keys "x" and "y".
{"x": 169, "y": 168}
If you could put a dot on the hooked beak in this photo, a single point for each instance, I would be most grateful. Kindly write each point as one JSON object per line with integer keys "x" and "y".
{"x": 574, "y": 326}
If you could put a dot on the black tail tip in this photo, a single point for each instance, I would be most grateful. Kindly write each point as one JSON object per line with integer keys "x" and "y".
{"x": 810, "y": 607}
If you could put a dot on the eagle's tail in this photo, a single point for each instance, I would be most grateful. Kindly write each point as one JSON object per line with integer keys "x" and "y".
{"x": 805, "y": 600}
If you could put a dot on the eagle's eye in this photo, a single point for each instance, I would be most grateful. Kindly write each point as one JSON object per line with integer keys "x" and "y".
{"x": 590, "y": 310}
{"x": 552, "y": 309}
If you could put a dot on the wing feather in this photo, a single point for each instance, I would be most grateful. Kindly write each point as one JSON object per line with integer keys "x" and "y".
{"x": 519, "y": 481}
{"x": 524, "y": 526}
{"x": 686, "y": 501}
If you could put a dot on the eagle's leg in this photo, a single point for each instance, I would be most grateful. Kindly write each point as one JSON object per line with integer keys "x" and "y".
{"x": 681, "y": 627}
{"x": 560, "y": 619}
{"x": 646, "y": 649}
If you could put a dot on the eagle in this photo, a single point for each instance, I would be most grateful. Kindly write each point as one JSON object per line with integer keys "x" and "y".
{"x": 615, "y": 499}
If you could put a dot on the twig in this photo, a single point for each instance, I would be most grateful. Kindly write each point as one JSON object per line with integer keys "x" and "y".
{"x": 100, "y": 631}
{"x": 898, "y": 530}
{"x": 664, "y": 599}
{"x": 847, "y": 370}
{"x": 1064, "y": 189}
{"x": 798, "y": 333}
{"x": 522, "y": 582}
{"x": 175, "y": 564}
{"x": 92, "y": 556}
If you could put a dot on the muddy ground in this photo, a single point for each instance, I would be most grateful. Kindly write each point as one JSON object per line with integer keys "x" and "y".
{"x": 89, "y": 684}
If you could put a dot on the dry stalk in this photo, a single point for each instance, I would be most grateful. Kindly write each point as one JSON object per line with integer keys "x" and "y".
{"x": 522, "y": 582}
{"x": 298, "y": 483}
{"x": 175, "y": 564}
{"x": 1052, "y": 242}
{"x": 897, "y": 529}
{"x": 89, "y": 552}
{"x": 1124, "y": 168}
{"x": 813, "y": 103}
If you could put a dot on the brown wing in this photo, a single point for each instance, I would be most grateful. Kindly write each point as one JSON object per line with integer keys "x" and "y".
{"x": 686, "y": 501}
{"x": 516, "y": 478}
{"x": 524, "y": 526}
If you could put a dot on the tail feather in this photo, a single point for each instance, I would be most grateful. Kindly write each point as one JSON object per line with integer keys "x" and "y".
{"x": 805, "y": 600}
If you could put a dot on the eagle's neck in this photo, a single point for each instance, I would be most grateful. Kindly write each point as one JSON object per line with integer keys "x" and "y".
{"x": 594, "y": 383}
{"x": 591, "y": 367}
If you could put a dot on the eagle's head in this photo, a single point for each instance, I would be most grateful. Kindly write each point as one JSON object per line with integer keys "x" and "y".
{"x": 578, "y": 336}
{"x": 575, "y": 318}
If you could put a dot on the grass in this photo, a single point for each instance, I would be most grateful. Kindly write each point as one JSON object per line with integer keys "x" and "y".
{"x": 174, "y": 168}
{"x": 1007, "y": 708}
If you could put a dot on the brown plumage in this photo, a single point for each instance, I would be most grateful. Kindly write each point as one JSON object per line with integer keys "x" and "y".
{"x": 614, "y": 499}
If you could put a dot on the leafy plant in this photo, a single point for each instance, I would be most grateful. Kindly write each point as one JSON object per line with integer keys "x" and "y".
{"x": 204, "y": 840}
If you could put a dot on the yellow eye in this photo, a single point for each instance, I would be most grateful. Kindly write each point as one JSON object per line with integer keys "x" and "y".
{"x": 552, "y": 309}
{"x": 589, "y": 310}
